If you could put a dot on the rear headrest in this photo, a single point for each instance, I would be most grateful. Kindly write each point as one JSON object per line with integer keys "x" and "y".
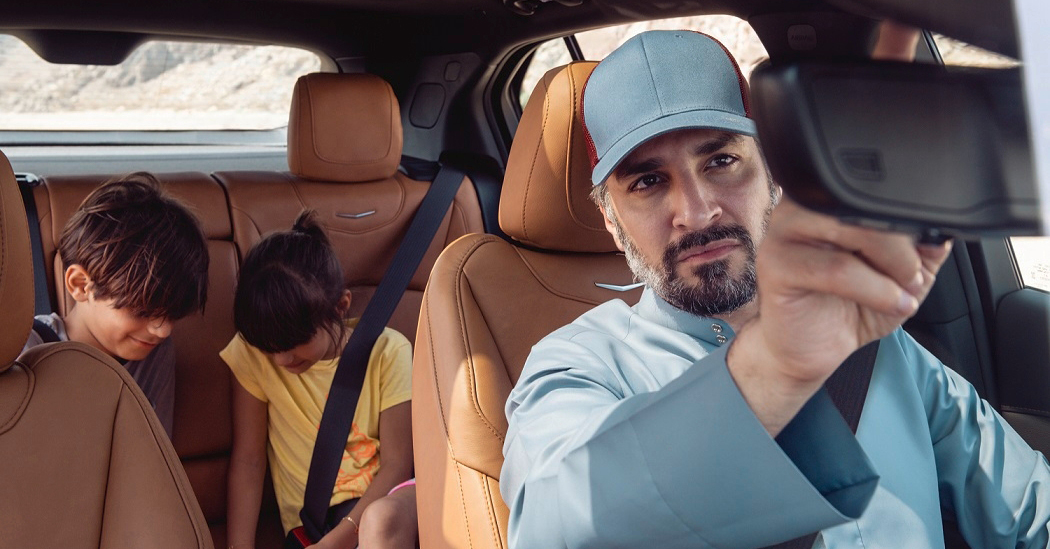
{"x": 344, "y": 128}
{"x": 545, "y": 200}
{"x": 16, "y": 268}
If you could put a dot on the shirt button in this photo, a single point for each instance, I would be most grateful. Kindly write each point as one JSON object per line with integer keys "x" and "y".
{"x": 720, "y": 339}
{"x": 716, "y": 328}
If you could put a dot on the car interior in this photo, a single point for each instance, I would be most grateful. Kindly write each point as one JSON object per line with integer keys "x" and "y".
{"x": 406, "y": 88}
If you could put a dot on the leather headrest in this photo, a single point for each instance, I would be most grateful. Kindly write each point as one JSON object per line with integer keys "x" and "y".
{"x": 344, "y": 128}
{"x": 545, "y": 200}
{"x": 16, "y": 268}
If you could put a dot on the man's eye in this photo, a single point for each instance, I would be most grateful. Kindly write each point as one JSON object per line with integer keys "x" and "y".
{"x": 644, "y": 182}
{"x": 721, "y": 161}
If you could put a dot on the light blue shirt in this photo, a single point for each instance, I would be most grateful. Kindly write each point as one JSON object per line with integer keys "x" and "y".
{"x": 627, "y": 430}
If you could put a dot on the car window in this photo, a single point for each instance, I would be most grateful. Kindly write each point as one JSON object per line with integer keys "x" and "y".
{"x": 550, "y": 54}
{"x": 160, "y": 86}
{"x": 1032, "y": 259}
{"x": 735, "y": 33}
{"x": 1031, "y": 254}
{"x": 958, "y": 53}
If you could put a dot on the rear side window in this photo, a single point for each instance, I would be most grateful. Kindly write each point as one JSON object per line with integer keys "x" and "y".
{"x": 160, "y": 86}
{"x": 735, "y": 33}
{"x": 957, "y": 53}
{"x": 1032, "y": 259}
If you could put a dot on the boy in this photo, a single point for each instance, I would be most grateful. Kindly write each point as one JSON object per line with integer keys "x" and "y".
{"x": 135, "y": 261}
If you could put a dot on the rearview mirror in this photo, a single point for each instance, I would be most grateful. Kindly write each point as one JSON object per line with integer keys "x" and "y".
{"x": 908, "y": 147}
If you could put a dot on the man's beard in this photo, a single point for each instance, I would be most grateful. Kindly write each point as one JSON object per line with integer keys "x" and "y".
{"x": 717, "y": 292}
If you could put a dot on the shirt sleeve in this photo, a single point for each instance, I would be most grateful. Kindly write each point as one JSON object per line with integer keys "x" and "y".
{"x": 243, "y": 361}
{"x": 395, "y": 360}
{"x": 990, "y": 479}
{"x": 155, "y": 375}
{"x": 688, "y": 465}
{"x": 33, "y": 341}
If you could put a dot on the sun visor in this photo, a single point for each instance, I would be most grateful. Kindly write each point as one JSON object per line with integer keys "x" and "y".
{"x": 909, "y": 147}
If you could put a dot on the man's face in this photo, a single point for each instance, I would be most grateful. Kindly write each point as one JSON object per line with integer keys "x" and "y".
{"x": 689, "y": 210}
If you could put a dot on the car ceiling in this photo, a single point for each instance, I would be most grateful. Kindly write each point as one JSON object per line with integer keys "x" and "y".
{"x": 103, "y": 32}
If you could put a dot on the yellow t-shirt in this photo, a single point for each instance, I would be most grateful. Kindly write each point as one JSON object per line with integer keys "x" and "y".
{"x": 295, "y": 403}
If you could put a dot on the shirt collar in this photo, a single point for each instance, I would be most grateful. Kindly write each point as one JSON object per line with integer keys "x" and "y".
{"x": 711, "y": 330}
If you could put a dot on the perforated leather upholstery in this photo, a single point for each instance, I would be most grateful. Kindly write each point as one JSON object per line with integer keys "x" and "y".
{"x": 489, "y": 301}
{"x": 86, "y": 462}
{"x": 344, "y": 145}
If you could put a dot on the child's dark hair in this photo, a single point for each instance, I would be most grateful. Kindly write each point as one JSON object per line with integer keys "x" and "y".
{"x": 141, "y": 248}
{"x": 289, "y": 287}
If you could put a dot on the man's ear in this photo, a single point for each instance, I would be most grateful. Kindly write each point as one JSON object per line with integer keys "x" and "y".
{"x": 344, "y": 302}
{"x": 78, "y": 283}
{"x": 611, "y": 227}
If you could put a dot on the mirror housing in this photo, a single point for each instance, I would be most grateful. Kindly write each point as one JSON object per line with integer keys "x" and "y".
{"x": 909, "y": 147}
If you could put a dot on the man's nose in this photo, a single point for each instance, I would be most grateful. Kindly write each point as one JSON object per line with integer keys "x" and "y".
{"x": 160, "y": 327}
{"x": 695, "y": 207}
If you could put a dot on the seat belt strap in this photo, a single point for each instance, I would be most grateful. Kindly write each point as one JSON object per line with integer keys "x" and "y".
{"x": 342, "y": 400}
{"x": 46, "y": 333}
{"x": 848, "y": 388}
{"x": 40, "y": 292}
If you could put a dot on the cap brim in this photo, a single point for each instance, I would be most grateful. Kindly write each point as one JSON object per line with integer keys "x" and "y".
{"x": 715, "y": 120}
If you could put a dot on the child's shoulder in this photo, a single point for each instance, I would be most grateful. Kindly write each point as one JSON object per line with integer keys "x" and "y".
{"x": 238, "y": 352}
{"x": 388, "y": 338}
{"x": 394, "y": 338}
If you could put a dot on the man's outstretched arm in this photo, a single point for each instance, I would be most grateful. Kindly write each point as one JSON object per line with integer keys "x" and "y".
{"x": 686, "y": 466}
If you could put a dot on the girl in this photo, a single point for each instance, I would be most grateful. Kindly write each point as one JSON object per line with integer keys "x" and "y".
{"x": 290, "y": 312}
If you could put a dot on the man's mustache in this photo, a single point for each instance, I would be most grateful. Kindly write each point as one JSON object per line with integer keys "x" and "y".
{"x": 703, "y": 238}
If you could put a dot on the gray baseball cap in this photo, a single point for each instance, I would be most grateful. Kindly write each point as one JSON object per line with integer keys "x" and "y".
{"x": 658, "y": 82}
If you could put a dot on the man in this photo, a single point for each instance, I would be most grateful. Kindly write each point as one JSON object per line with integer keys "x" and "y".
{"x": 698, "y": 417}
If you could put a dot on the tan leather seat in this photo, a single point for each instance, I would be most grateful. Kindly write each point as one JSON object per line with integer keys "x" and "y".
{"x": 344, "y": 147}
{"x": 203, "y": 432}
{"x": 86, "y": 462}
{"x": 489, "y": 301}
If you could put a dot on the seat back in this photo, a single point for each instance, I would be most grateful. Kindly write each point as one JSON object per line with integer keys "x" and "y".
{"x": 489, "y": 301}
{"x": 344, "y": 146}
{"x": 86, "y": 461}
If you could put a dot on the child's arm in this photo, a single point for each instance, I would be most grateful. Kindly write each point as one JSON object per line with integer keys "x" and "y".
{"x": 395, "y": 467}
{"x": 247, "y": 468}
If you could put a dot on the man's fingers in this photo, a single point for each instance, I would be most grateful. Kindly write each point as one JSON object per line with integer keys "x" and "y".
{"x": 837, "y": 272}
{"x": 896, "y": 42}
{"x": 891, "y": 254}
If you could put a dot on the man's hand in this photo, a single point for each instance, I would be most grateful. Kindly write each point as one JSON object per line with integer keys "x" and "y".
{"x": 825, "y": 289}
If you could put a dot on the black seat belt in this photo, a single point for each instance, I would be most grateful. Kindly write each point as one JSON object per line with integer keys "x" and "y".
{"x": 43, "y": 298}
{"x": 848, "y": 388}
{"x": 339, "y": 409}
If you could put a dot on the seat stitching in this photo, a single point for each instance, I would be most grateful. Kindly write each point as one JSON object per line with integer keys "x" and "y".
{"x": 474, "y": 390}
{"x": 441, "y": 406}
{"x": 568, "y": 155}
{"x": 355, "y": 163}
{"x": 20, "y": 410}
{"x": 535, "y": 157}
{"x": 466, "y": 344}
{"x": 493, "y": 523}
{"x": 550, "y": 288}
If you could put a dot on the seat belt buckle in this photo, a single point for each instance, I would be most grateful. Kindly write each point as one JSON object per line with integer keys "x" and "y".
{"x": 297, "y": 539}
